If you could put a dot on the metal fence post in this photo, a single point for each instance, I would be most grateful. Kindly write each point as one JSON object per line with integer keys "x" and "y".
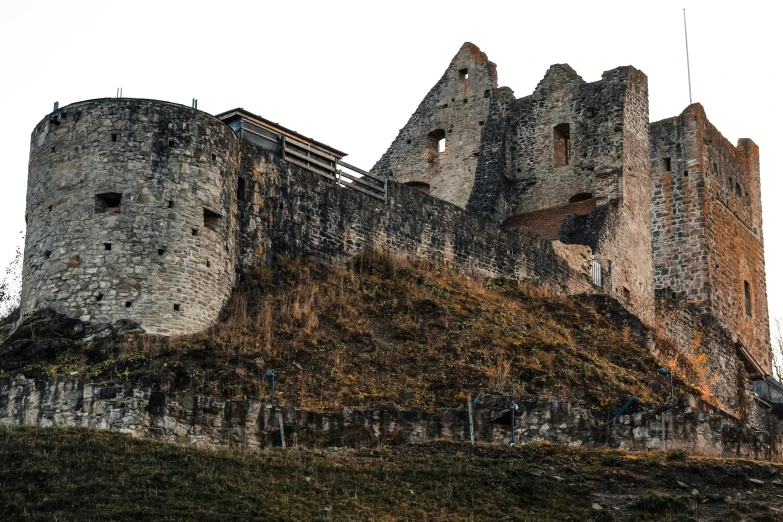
{"x": 282, "y": 431}
{"x": 470, "y": 419}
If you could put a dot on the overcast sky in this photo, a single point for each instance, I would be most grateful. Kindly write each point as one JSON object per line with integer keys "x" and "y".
{"x": 350, "y": 74}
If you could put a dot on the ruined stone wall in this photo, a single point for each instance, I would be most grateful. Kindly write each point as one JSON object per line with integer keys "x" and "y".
{"x": 522, "y": 178}
{"x": 128, "y": 214}
{"x": 209, "y": 421}
{"x": 294, "y": 212}
{"x": 457, "y": 105}
{"x": 707, "y": 223}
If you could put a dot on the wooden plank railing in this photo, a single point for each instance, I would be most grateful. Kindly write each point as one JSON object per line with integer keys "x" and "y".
{"x": 328, "y": 166}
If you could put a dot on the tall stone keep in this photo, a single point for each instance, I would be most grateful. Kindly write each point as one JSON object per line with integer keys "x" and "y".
{"x": 708, "y": 243}
{"x": 129, "y": 214}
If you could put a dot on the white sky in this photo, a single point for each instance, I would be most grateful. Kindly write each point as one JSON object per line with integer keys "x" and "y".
{"x": 350, "y": 74}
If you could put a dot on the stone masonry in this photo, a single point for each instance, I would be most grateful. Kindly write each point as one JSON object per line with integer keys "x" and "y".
{"x": 708, "y": 243}
{"x": 147, "y": 211}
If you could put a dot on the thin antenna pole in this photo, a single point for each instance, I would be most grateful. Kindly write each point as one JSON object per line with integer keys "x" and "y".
{"x": 687, "y": 56}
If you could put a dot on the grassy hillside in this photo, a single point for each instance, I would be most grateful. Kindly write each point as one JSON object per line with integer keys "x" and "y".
{"x": 65, "y": 475}
{"x": 378, "y": 331}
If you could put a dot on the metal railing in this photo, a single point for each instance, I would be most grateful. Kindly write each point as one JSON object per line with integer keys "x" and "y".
{"x": 328, "y": 166}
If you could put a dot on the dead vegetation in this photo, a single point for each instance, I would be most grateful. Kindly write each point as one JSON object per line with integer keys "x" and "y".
{"x": 383, "y": 330}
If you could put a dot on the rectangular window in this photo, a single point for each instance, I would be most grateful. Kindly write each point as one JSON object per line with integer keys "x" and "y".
{"x": 562, "y": 151}
{"x": 747, "y": 299}
{"x": 212, "y": 220}
{"x": 241, "y": 189}
{"x": 667, "y": 164}
{"x": 463, "y": 74}
{"x": 108, "y": 202}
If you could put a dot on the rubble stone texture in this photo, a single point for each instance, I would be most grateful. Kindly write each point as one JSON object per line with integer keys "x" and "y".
{"x": 147, "y": 211}
{"x": 706, "y": 224}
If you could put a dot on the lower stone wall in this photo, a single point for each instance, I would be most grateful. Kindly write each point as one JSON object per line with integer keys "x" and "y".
{"x": 692, "y": 425}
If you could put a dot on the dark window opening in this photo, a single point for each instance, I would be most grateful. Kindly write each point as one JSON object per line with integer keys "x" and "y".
{"x": 212, "y": 220}
{"x": 465, "y": 100}
{"x": 176, "y": 308}
{"x": 47, "y": 253}
{"x": 481, "y": 123}
{"x": 161, "y": 251}
{"x": 667, "y": 164}
{"x": 209, "y": 264}
{"x": 214, "y": 157}
{"x": 715, "y": 168}
{"x": 444, "y": 106}
{"x": 582, "y": 196}
{"x": 409, "y": 142}
{"x": 463, "y": 74}
{"x": 128, "y": 304}
{"x": 738, "y": 189}
{"x": 241, "y": 189}
{"x": 420, "y": 185}
{"x": 99, "y": 297}
{"x": 171, "y": 203}
{"x": 49, "y": 208}
{"x": 685, "y": 174}
{"x": 172, "y": 144}
{"x": 194, "y": 232}
{"x": 54, "y": 148}
{"x": 107, "y": 246}
{"x": 113, "y": 137}
{"x": 436, "y": 140}
{"x": 562, "y": 151}
{"x": 486, "y": 93}
{"x": 108, "y": 202}
{"x": 747, "y": 299}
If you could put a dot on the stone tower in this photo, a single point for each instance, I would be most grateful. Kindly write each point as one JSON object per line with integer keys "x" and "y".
{"x": 129, "y": 214}
{"x": 708, "y": 243}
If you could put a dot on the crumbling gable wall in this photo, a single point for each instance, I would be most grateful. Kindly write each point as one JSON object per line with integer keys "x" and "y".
{"x": 708, "y": 242}
{"x": 455, "y": 109}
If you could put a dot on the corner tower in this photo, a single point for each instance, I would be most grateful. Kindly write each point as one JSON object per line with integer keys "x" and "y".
{"x": 708, "y": 243}
{"x": 130, "y": 215}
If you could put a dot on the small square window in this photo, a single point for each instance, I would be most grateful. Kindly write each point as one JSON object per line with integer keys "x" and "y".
{"x": 113, "y": 137}
{"x": 463, "y": 74}
{"x": 128, "y": 304}
{"x": 107, "y": 246}
{"x": 176, "y": 308}
{"x": 161, "y": 251}
{"x": 212, "y": 220}
{"x": 194, "y": 231}
{"x": 172, "y": 144}
{"x": 108, "y": 202}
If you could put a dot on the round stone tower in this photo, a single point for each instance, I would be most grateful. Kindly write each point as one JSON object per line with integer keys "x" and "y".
{"x": 130, "y": 214}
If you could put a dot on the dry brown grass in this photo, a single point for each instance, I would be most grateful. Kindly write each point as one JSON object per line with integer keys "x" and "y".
{"x": 389, "y": 330}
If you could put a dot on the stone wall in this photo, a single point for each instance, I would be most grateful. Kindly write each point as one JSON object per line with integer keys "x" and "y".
{"x": 294, "y": 212}
{"x": 129, "y": 206}
{"x": 707, "y": 228}
{"x": 206, "y": 421}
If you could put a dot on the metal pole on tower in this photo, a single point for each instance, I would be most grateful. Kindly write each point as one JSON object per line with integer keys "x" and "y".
{"x": 687, "y": 56}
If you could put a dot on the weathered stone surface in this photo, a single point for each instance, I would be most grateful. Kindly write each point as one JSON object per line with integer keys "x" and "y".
{"x": 707, "y": 228}
{"x": 250, "y": 424}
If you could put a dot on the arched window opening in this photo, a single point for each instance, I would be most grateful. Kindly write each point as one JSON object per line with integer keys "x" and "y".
{"x": 562, "y": 152}
{"x": 419, "y": 185}
{"x": 436, "y": 140}
{"x": 582, "y": 196}
{"x": 747, "y": 299}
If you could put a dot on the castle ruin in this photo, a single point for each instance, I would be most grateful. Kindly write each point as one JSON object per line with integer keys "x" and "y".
{"x": 148, "y": 211}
